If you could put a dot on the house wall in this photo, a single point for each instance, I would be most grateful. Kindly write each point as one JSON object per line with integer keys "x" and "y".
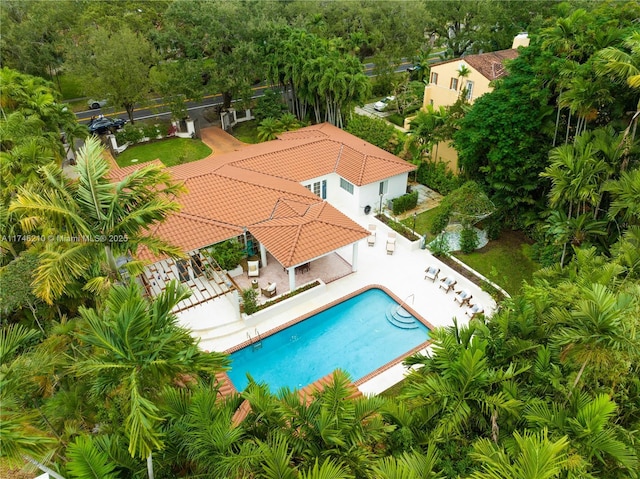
{"x": 369, "y": 195}
{"x": 441, "y": 92}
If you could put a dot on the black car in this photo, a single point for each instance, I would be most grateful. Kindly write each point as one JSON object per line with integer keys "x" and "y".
{"x": 102, "y": 125}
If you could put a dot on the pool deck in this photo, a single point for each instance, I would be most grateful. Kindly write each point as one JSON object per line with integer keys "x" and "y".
{"x": 219, "y": 328}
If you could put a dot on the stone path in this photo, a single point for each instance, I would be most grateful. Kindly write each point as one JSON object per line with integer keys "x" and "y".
{"x": 427, "y": 199}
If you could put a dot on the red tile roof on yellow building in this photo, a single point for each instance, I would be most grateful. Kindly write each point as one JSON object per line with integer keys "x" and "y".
{"x": 490, "y": 65}
{"x": 258, "y": 188}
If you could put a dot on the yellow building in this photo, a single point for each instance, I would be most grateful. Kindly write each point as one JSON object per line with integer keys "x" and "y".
{"x": 470, "y": 75}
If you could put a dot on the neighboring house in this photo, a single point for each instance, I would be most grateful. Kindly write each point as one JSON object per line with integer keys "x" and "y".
{"x": 470, "y": 75}
{"x": 273, "y": 193}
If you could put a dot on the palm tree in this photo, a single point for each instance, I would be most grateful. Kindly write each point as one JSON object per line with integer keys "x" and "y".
{"x": 625, "y": 65}
{"x": 93, "y": 221}
{"x": 529, "y": 456}
{"x": 588, "y": 424}
{"x": 456, "y": 392}
{"x": 626, "y": 196}
{"x": 597, "y": 331}
{"x": 269, "y": 129}
{"x": 138, "y": 348}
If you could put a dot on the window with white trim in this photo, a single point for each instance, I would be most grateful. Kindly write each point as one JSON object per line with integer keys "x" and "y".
{"x": 469, "y": 88}
{"x": 383, "y": 187}
{"x": 345, "y": 185}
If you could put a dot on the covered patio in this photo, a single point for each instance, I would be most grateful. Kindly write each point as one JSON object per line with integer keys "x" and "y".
{"x": 327, "y": 268}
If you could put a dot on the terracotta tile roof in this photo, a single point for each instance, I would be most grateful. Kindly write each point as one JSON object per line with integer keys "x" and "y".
{"x": 296, "y": 239}
{"x": 258, "y": 188}
{"x": 490, "y": 65}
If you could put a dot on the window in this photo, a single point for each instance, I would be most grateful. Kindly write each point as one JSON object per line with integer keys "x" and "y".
{"x": 469, "y": 90}
{"x": 345, "y": 185}
{"x": 318, "y": 188}
{"x": 383, "y": 188}
{"x": 434, "y": 78}
{"x": 454, "y": 84}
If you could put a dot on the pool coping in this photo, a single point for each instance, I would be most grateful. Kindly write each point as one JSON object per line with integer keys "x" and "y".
{"x": 313, "y": 312}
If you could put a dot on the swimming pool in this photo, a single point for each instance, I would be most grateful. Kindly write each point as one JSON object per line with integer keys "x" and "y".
{"x": 355, "y": 335}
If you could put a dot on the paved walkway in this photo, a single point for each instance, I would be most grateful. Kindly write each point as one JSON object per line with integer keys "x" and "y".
{"x": 220, "y": 141}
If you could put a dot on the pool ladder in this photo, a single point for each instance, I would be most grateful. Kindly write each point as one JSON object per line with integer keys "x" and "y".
{"x": 256, "y": 341}
{"x": 413, "y": 298}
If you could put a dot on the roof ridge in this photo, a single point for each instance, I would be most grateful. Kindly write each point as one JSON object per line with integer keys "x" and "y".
{"x": 203, "y": 219}
{"x": 294, "y": 243}
{"x": 335, "y": 165}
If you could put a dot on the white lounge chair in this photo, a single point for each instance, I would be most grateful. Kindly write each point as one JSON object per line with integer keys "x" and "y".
{"x": 474, "y": 310}
{"x": 447, "y": 283}
{"x": 253, "y": 268}
{"x": 462, "y": 297}
{"x": 432, "y": 273}
{"x": 371, "y": 240}
{"x": 391, "y": 242}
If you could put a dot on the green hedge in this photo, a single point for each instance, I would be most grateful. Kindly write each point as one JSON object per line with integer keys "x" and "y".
{"x": 405, "y": 202}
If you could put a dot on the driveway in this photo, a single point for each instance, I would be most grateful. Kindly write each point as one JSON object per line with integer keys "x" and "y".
{"x": 220, "y": 141}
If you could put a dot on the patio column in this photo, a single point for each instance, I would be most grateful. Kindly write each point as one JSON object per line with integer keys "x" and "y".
{"x": 354, "y": 259}
{"x": 292, "y": 278}
{"x": 263, "y": 255}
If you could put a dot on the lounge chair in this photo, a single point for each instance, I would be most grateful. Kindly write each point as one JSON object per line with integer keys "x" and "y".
{"x": 391, "y": 242}
{"x": 253, "y": 268}
{"x": 447, "y": 283}
{"x": 270, "y": 291}
{"x": 371, "y": 240}
{"x": 432, "y": 273}
{"x": 462, "y": 297}
{"x": 474, "y": 310}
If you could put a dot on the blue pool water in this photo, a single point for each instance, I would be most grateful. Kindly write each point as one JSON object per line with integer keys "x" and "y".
{"x": 354, "y": 336}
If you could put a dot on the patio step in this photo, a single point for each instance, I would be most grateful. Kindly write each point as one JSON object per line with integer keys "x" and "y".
{"x": 401, "y": 318}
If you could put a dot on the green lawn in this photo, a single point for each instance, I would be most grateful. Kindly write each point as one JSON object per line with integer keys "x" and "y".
{"x": 423, "y": 222}
{"x": 506, "y": 261}
{"x": 247, "y": 132}
{"x": 170, "y": 152}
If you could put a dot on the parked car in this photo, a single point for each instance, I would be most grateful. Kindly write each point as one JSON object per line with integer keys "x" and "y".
{"x": 95, "y": 104}
{"x": 382, "y": 104}
{"x": 102, "y": 125}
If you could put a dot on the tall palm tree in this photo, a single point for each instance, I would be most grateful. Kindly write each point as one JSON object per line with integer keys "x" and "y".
{"x": 94, "y": 221}
{"x": 137, "y": 349}
{"x": 625, "y": 65}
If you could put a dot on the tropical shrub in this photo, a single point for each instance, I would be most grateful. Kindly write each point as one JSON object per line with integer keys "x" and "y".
{"x": 436, "y": 176}
{"x": 250, "y": 300}
{"x": 129, "y": 134}
{"x": 269, "y": 105}
{"x": 468, "y": 240}
{"x": 228, "y": 253}
{"x": 374, "y": 130}
{"x": 405, "y": 202}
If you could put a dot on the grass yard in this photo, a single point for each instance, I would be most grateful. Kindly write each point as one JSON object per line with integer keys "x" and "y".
{"x": 423, "y": 222}
{"x": 247, "y": 132}
{"x": 506, "y": 261}
{"x": 174, "y": 151}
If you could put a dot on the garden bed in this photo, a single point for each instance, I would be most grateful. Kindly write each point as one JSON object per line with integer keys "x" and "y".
{"x": 398, "y": 227}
